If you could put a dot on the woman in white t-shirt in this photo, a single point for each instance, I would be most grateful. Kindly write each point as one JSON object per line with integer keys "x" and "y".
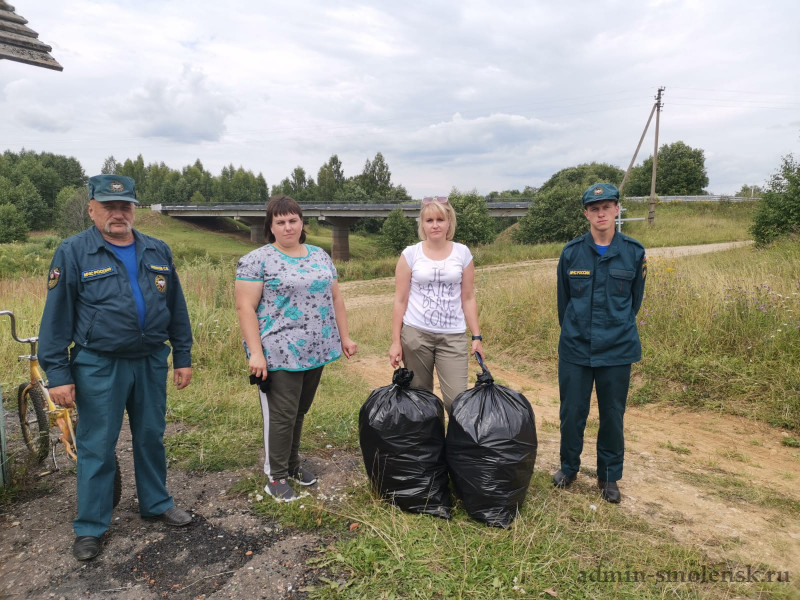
{"x": 434, "y": 302}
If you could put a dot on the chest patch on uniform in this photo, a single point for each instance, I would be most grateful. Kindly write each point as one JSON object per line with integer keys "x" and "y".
{"x": 161, "y": 283}
{"x": 53, "y": 278}
{"x": 97, "y": 273}
{"x": 577, "y": 273}
{"x": 159, "y": 268}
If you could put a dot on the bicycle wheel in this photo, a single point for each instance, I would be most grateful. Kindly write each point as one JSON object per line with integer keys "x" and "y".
{"x": 34, "y": 420}
{"x": 117, "y": 482}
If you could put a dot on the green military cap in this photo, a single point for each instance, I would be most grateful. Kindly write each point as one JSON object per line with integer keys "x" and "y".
{"x": 110, "y": 188}
{"x": 600, "y": 191}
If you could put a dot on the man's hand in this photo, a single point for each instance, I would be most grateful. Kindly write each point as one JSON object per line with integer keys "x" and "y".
{"x": 63, "y": 395}
{"x": 182, "y": 377}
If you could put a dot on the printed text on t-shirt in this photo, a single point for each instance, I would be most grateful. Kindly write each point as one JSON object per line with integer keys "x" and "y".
{"x": 437, "y": 302}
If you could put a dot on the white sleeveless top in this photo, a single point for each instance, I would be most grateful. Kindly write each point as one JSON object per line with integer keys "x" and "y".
{"x": 434, "y": 301}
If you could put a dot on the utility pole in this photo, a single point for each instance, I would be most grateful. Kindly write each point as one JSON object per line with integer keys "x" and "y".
{"x": 651, "y": 215}
{"x": 641, "y": 139}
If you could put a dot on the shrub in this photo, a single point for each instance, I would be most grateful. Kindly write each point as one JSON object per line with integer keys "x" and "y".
{"x": 474, "y": 224}
{"x": 778, "y": 213}
{"x": 73, "y": 210}
{"x": 12, "y": 224}
{"x": 555, "y": 215}
{"x": 397, "y": 233}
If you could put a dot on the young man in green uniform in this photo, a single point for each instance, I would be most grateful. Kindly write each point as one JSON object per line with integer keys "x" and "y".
{"x": 113, "y": 301}
{"x": 601, "y": 279}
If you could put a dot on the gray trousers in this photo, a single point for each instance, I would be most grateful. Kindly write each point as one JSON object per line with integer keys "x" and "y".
{"x": 284, "y": 407}
{"x": 449, "y": 352}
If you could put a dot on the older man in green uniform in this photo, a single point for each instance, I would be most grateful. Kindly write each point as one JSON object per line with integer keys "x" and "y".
{"x": 601, "y": 279}
{"x": 113, "y": 301}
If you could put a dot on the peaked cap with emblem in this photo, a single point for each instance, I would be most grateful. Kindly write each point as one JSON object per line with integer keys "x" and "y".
{"x": 112, "y": 188}
{"x": 600, "y": 191}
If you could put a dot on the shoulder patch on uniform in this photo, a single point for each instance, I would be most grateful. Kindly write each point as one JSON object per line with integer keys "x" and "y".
{"x": 96, "y": 273}
{"x": 53, "y": 277}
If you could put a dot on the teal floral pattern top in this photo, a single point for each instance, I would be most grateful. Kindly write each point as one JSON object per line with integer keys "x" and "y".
{"x": 295, "y": 317}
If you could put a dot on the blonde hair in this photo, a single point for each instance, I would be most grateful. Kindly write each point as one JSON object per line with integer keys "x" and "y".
{"x": 442, "y": 210}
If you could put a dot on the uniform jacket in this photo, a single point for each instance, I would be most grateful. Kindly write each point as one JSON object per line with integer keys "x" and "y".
{"x": 90, "y": 302}
{"x": 598, "y": 299}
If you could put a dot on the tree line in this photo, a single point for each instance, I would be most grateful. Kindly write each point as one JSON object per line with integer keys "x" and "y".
{"x": 40, "y": 191}
{"x": 158, "y": 184}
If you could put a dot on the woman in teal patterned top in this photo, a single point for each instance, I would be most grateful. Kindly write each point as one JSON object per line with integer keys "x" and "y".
{"x": 293, "y": 322}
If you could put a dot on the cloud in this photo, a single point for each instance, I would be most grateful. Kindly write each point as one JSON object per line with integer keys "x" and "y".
{"x": 184, "y": 110}
{"x": 33, "y": 112}
{"x": 463, "y": 139}
{"x": 41, "y": 119}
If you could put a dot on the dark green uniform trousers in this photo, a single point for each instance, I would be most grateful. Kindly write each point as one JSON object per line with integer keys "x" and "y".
{"x": 105, "y": 387}
{"x": 575, "y": 386}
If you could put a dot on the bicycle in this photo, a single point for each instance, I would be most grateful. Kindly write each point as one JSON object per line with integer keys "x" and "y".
{"x": 38, "y": 414}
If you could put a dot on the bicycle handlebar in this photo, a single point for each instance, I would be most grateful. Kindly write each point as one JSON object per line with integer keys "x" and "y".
{"x": 10, "y": 314}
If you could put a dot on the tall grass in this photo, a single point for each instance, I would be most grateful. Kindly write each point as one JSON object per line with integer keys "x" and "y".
{"x": 722, "y": 331}
{"x": 719, "y": 331}
{"x": 682, "y": 223}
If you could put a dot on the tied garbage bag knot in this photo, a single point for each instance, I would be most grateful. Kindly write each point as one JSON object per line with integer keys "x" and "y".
{"x": 402, "y": 377}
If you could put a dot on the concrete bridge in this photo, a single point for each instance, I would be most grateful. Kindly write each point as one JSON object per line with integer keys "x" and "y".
{"x": 339, "y": 216}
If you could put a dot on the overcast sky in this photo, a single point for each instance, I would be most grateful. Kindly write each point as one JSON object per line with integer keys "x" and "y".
{"x": 472, "y": 94}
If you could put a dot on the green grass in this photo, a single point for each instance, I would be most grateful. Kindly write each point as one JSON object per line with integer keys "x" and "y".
{"x": 676, "y": 448}
{"x": 711, "y": 340}
{"x": 734, "y": 488}
{"x": 556, "y": 547}
{"x": 689, "y": 223}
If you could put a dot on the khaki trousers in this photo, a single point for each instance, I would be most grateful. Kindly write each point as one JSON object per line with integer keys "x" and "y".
{"x": 448, "y": 352}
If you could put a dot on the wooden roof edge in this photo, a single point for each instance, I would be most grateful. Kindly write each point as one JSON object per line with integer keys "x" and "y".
{"x": 23, "y": 41}
{"x": 29, "y": 57}
{"x": 18, "y": 29}
{"x": 8, "y": 15}
{"x": 20, "y": 43}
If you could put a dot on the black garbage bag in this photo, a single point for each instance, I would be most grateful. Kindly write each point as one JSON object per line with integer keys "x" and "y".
{"x": 401, "y": 431}
{"x": 491, "y": 450}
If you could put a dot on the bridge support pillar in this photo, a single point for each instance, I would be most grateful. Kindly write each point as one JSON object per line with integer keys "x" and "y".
{"x": 340, "y": 248}
{"x": 256, "y": 228}
{"x": 257, "y": 233}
